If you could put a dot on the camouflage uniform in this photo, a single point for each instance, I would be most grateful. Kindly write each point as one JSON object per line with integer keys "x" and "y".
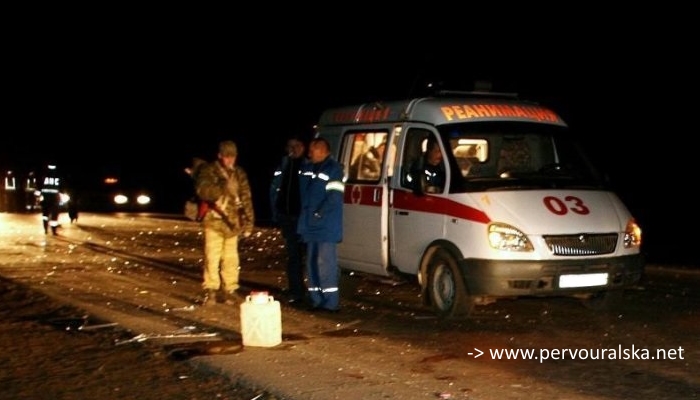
{"x": 229, "y": 190}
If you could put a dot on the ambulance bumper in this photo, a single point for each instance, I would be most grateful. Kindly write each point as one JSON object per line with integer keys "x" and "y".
{"x": 505, "y": 278}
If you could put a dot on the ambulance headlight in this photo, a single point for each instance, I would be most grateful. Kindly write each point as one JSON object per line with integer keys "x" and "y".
{"x": 633, "y": 235}
{"x": 507, "y": 238}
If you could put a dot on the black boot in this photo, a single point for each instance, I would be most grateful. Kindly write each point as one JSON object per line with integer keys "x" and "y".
{"x": 230, "y": 298}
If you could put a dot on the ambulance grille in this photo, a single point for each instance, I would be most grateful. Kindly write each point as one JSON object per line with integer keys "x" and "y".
{"x": 582, "y": 244}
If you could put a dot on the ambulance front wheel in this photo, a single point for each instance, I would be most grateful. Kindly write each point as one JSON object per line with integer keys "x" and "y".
{"x": 446, "y": 290}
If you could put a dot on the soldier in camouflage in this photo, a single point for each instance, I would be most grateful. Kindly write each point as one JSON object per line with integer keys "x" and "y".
{"x": 225, "y": 188}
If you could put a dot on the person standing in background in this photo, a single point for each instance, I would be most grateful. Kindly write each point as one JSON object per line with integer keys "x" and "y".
{"x": 73, "y": 208}
{"x": 321, "y": 224}
{"x": 225, "y": 188}
{"x": 285, "y": 202}
{"x": 50, "y": 199}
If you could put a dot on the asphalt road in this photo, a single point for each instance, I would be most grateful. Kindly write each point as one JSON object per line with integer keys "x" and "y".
{"x": 141, "y": 273}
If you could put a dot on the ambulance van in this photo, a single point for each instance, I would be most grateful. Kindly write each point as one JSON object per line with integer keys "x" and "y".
{"x": 480, "y": 197}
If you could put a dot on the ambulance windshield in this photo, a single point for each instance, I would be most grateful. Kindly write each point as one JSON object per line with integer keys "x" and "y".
{"x": 497, "y": 155}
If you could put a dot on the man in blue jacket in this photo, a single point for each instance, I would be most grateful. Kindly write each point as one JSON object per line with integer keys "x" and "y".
{"x": 321, "y": 224}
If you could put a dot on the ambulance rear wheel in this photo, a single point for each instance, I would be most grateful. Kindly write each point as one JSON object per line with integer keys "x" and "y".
{"x": 446, "y": 290}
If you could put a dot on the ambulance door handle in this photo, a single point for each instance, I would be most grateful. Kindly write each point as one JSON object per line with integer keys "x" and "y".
{"x": 402, "y": 212}
{"x": 376, "y": 197}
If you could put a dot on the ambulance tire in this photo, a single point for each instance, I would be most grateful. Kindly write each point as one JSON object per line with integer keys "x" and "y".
{"x": 604, "y": 300}
{"x": 447, "y": 293}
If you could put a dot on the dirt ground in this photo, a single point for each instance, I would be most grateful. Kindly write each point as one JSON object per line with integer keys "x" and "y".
{"x": 87, "y": 363}
{"x": 143, "y": 273}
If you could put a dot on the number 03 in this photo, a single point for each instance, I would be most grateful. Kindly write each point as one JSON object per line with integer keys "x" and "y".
{"x": 561, "y": 207}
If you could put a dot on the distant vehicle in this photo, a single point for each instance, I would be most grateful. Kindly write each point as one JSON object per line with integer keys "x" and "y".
{"x": 114, "y": 193}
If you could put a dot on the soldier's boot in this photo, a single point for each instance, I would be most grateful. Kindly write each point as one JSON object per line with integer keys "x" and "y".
{"x": 230, "y": 298}
{"x": 209, "y": 298}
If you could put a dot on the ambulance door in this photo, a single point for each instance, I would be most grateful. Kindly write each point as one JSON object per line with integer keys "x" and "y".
{"x": 364, "y": 245}
{"x": 415, "y": 216}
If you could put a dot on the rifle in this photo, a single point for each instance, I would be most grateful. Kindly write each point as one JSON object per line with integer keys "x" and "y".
{"x": 212, "y": 205}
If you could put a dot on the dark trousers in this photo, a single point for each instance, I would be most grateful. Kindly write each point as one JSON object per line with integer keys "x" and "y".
{"x": 49, "y": 217}
{"x": 324, "y": 275}
{"x": 295, "y": 253}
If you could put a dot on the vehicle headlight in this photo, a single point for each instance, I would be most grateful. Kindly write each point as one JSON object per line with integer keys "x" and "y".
{"x": 143, "y": 199}
{"x": 633, "y": 234}
{"x": 120, "y": 199}
{"x": 507, "y": 238}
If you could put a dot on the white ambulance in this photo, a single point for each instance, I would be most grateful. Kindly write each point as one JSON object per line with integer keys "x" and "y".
{"x": 479, "y": 196}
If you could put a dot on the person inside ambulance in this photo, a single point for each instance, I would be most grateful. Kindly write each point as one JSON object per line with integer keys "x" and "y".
{"x": 368, "y": 166}
{"x": 430, "y": 169}
{"x": 371, "y": 163}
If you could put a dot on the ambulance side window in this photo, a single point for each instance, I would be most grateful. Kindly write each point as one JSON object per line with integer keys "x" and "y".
{"x": 367, "y": 150}
{"x": 412, "y": 158}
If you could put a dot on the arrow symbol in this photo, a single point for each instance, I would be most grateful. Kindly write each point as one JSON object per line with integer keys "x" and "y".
{"x": 478, "y": 355}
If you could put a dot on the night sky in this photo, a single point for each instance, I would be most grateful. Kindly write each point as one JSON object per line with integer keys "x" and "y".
{"x": 145, "y": 101}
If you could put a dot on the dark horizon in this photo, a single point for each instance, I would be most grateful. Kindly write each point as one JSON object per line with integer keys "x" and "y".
{"x": 145, "y": 108}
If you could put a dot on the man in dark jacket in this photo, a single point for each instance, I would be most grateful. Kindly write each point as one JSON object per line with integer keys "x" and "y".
{"x": 50, "y": 199}
{"x": 286, "y": 205}
{"x": 321, "y": 224}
